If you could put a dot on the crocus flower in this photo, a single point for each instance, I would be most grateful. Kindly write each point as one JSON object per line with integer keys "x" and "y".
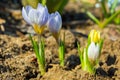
{"x": 93, "y": 51}
{"x": 94, "y": 47}
{"x": 89, "y": 57}
{"x": 54, "y": 24}
{"x": 36, "y": 17}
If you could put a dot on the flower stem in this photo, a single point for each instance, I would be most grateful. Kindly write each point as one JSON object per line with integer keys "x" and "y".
{"x": 62, "y": 50}
{"x": 42, "y": 69}
{"x": 41, "y": 59}
{"x": 61, "y": 53}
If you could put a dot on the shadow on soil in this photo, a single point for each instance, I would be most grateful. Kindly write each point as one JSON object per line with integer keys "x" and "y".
{"x": 72, "y": 61}
{"x": 111, "y": 71}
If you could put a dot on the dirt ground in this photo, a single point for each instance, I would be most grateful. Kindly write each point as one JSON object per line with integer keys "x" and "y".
{"x": 18, "y": 60}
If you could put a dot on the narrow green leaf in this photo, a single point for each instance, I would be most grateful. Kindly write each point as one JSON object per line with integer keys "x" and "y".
{"x": 89, "y": 40}
{"x": 108, "y": 20}
{"x": 63, "y": 3}
{"x": 39, "y": 51}
{"x": 101, "y": 45}
{"x": 93, "y": 17}
{"x": 87, "y": 64}
{"x": 80, "y": 53}
{"x": 35, "y": 46}
{"x": 42, "y": 51}
{"x": 103, "y": 5}
{"x": 113, "y": 6}
{"x": 117, "y": 20}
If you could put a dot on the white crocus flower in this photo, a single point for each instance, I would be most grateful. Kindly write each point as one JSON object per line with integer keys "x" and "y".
{"x": 89, "y": 57}
{"x": 93, "y": 51}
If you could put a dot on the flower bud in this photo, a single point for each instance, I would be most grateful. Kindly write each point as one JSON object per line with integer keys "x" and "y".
{"x": 54, "y": 24}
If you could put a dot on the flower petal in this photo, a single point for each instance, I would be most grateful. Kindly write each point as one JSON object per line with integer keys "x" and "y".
{"x": 25, "y": 16}
{"x": 54, "y": 22}
{"x": 33, "y": 15}
{"x": 93, "y": 51}
{"x": 40, "y": 7}
{"x": 27, "y": 9}
{"x": 58, "y": 18}
{"x": 96, "y": 51}
{"x": 43, "y": 16}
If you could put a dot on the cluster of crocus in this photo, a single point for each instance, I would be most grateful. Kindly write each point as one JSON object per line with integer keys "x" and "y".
{"x": 40, "y": 18}
{"x": 89, "y": 57}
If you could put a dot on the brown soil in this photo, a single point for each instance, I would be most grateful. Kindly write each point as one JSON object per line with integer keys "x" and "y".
{"x": 18, "y": 60}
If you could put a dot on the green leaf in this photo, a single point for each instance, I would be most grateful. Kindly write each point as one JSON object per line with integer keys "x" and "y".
{"x": 39, "y": 51}
{"x": 117, "y": 20}
{"x": 101, "y": 45}
{"x": 56, "y": 5}
{"x": 89, "y": 41}
{"x": 35, "y": 46}
{"x": 112, "y": 9}
{"x": 44, "y": 2}
{"x": 103, "y": 5}
{"x": 111, "y": 18}
{"x": 87, "y": 66}
{"x": 80, "y": 53}
{"x": 93, "y": 17}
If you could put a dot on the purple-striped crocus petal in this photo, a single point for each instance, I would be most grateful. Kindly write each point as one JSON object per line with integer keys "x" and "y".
{"x": 43, "y": 17}
{"x": 59, "y": 20}
{"x": 33, "y": 15}
{"x": 25, "y": 16}
{"x": 40, "y": 7}
{"x": 28, "y": 8}
{"x": 54, "y": 22}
